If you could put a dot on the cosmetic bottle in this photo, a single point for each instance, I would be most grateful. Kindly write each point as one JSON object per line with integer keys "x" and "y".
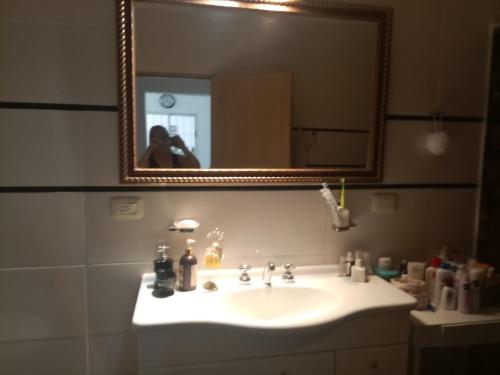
{"x": 443, "y": 254}
{"x": 403, "y": 267}
{"x": 188, "y": 267}
{"x": 367, "y": 263}
{"x": 443, "y": 276}
{"x": 465, "y": 295}
{"x": 358, "y": 272}
{"x": 349, "y": 263}
{"x": 416, "y": 270}
{"x": 342, "y": 266}
{"x": 430, "y": 276}
{"x": 476, "y": 281}
{"x": 448, "y": 299}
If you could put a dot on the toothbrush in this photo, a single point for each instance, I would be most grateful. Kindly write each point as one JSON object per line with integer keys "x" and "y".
{"x": 342, "y": 193}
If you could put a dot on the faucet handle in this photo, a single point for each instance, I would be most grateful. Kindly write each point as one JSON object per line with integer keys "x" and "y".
{"x": 288, "y": 277}
{"x": 245, "y": 277}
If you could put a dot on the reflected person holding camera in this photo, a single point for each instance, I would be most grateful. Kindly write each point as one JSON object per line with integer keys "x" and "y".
{"x": 159, "y": 153}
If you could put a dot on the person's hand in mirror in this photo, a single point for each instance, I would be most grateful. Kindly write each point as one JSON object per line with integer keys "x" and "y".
{"x": 187, "y": 159}
{"x": 159, "y": 152}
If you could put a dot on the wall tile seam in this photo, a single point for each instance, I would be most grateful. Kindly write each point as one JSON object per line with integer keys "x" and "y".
{"x": 42, "y": 268}
{"x": 114, "y": 332}
{"x": 86, "y": 319}
{"x": 117, "y": 264}
{"x": 41, "y": 339}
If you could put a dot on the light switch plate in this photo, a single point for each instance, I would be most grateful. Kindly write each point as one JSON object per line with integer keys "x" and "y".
{"x": 384, "y": 203}
{"x": 127, "y": 208}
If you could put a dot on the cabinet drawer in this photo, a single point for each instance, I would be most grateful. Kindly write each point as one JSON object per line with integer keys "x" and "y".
{"x": 302, "y": 364}
{"x": 387, "y": 360}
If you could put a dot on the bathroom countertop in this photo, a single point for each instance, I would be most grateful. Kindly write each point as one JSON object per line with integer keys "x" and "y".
{"x": 337, "y": 298}
{"x": 447, "y": 328}
{"x": 445, "y": 317}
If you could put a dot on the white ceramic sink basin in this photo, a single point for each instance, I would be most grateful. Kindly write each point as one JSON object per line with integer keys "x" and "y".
{"x": 317, "y": 297}
{"x": 277, "y": 303}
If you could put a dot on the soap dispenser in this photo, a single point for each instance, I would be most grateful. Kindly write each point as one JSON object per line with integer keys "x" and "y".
{"x": 165, "y": 276}
{"x": 163, "y": 262}
{"x": 187, "y": 269}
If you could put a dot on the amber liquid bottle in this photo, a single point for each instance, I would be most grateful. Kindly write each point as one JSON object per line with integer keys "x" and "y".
{"x": 187, "y": 270}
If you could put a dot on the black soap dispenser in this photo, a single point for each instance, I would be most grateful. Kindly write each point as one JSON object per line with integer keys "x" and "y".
{"x": 187, "y": 269}
{"x": 165, "y": 276}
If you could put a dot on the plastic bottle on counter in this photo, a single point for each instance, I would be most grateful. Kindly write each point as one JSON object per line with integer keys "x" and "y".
{"x": 403, "y": 267}
{"x": 476, "y": 282}
{"x": 358, "y": 272}
{"x": 465, "y": 295}
{"x": 443, "y": 275}
{"x": 349, "y": 263}
{"x": 416, "y": 270}
{"x": 443, "y": 254}
{"x": 430, "y": 276}
{"x": 448, "y": 298}
{"x": 342, "y": 266}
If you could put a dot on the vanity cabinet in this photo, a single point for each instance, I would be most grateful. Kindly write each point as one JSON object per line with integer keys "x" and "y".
{"x": 205, "y": 334}
{"x": 302, "y": 364}
{"x": 389, "y": 360}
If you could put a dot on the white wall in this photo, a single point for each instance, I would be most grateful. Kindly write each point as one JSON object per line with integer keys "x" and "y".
{"x": 69, "y": 272}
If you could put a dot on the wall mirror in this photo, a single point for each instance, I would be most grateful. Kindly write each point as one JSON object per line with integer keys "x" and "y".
{"x": 252, "y": 91}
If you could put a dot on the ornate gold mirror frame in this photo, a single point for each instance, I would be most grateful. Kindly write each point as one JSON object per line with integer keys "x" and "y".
{"x": 131, "y": 173}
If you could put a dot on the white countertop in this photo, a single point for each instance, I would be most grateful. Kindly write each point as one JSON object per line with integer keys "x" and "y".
{"x": 445, "y": 317}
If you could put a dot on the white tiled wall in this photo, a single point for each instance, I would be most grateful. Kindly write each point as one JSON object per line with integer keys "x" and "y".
{"x": 69, "y": 273}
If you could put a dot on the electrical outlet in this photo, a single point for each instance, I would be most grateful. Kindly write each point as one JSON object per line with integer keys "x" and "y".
{"x": 384, "y": 203}
{"x": 127, "y": 208}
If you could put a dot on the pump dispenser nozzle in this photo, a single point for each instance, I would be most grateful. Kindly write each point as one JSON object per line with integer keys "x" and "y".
{"x": 162, "y": 250}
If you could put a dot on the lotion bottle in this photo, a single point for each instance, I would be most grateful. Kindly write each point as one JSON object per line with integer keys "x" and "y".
{"x": 187, "y": 269}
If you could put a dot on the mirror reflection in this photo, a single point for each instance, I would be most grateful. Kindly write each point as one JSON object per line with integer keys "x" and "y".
{"x": 236, "y": 88}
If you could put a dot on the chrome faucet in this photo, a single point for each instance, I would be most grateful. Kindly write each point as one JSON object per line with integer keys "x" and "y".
{"x": 268, "y": 269}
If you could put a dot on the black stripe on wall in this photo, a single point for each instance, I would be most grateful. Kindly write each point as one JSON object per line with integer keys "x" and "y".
{"x": 114, "y": 108}
{"x": 59, "y": 107}
{"x": 429, "y": 118}
{"x": 333, "y": 130}
{"x": 132, "y": 189}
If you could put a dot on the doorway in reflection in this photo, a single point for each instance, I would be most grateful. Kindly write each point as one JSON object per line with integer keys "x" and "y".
{"x": 180, "y": 105}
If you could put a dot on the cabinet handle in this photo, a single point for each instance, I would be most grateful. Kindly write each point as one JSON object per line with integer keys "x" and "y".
{"x": 373, "y": 364}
